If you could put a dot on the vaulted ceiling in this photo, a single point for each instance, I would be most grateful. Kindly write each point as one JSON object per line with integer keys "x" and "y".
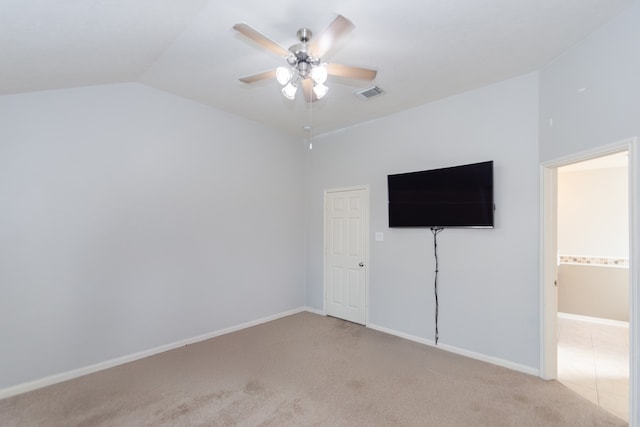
{"x": 423, "y": 50}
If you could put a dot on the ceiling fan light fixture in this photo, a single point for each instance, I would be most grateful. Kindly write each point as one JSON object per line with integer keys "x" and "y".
{"x": 319, "y": 73}
{"x": 320, "y": 90}
{"x": 283, "y": 75}
{"x": 289, "y": 91}
{"x": 304, "y": 60}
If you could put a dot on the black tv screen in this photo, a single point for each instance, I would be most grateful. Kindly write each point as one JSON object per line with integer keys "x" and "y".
{"x": 458, "y": 196}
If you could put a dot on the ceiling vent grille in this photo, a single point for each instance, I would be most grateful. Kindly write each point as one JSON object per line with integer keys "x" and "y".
{"x": 368, "y": 93}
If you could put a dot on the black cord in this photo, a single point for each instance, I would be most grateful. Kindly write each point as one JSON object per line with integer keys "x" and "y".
{"x": 435, "y": 231}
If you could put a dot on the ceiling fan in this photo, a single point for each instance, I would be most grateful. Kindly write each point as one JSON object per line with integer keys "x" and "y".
{"x": 305, "y": 66}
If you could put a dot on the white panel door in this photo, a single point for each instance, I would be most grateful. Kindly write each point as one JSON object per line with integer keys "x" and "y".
{"x": 345, "y": 242}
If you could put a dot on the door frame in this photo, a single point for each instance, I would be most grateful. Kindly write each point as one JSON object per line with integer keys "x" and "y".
{"x": 548, "y": 263}
{"x": 365, "y": 188}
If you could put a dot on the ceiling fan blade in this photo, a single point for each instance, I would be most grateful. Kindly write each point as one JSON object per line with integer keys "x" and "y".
{"x": 257, "y": 77}
{"x": 307, "y": 88}
{"x": 351, "y": 72}
{"x": 261, "y": 39}
{"x": 340, "y": 27}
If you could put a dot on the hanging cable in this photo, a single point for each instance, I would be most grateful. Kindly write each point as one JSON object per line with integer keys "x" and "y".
{"x": 310, "y": 115}
{"x": 435, "y": 231}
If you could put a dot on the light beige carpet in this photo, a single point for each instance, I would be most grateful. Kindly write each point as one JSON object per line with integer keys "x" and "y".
{"x": 305, "y": 370}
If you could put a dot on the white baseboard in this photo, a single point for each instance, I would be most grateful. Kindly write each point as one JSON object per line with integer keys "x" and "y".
{"x": 470, "y": 354}
{"x": 596, "y": 320}
{"x": 75, "y": 373}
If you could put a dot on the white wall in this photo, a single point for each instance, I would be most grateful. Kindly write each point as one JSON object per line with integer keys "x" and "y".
{"x": 593, "y": 212}
{"x": 132, "y": 219}
{"x": 593, "y": 226}
{"x": 607, "y": 64}
{"x": 488, "y": 278}
{"x": 594, "y": 290}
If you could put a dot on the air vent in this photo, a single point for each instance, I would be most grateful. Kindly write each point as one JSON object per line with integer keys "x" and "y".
{"x": 368, "y": 93}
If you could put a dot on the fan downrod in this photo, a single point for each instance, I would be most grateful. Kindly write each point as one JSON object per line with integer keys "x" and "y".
{"x": 304, "y": 35}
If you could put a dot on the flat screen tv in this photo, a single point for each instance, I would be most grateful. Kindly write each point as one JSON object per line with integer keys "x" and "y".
{"x": 458, "y": 196}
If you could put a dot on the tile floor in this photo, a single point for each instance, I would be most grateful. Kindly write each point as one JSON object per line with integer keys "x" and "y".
{"x": 593, "y": 360}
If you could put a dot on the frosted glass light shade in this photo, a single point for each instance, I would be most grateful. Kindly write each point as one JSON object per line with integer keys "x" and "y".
{"x": 320, "y": 90}
{"x": 283, "y": 75}
{"x": 289, "y": 91}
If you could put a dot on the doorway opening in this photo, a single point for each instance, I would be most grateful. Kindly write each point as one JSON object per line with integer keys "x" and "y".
{"x": 593, "y": 280}
{"x": 551, "y": 261}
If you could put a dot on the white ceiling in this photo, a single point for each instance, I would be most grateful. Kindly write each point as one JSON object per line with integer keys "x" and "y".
{"x": 423, "y": 49}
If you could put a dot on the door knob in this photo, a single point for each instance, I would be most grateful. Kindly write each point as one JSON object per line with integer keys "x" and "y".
{"x": 361, "y": 264}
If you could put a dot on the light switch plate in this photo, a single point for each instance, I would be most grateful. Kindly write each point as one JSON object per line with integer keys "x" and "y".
{"x": 379, "y": 236}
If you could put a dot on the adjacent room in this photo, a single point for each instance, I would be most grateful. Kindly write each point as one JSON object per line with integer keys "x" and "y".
{"x": 175, "y": 181}
{"x": 593, "y": 280}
